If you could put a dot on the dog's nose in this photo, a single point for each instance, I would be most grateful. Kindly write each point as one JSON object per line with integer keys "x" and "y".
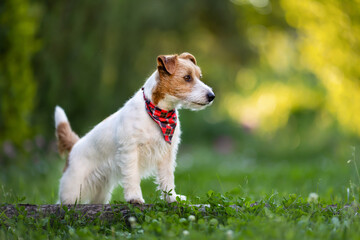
{"x": 210, "y": 96}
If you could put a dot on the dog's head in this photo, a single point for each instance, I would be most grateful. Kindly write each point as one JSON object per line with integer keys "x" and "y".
{"x": 179, "y": 82}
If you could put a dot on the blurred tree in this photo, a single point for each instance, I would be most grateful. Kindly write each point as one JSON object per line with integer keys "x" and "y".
{"x": 96, "y": 54}
{"x": 270, "y": 89}
{"x": 263, "y": 58}
{"x": 329, "y": 44}
{"x": 18, "y": 43}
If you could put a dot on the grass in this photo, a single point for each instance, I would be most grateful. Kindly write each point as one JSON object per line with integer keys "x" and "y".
{"x": 280, "y": 187}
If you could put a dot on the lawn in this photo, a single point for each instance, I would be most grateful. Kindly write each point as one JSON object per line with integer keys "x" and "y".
{"x": 280, "y": 189}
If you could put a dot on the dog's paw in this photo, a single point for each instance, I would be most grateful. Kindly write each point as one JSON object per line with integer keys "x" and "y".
{"x": 137, "y": 201}
{"x": 174, "y": 198}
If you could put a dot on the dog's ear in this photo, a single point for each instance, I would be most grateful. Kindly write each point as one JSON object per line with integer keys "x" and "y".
{"x": 167, "y": 63}
{"x": 189, "y": 56}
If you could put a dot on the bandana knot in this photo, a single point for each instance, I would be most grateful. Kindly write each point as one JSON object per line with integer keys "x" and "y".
{"x": 165, "y": 119}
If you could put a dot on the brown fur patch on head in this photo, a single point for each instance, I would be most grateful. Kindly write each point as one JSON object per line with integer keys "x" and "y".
{"x": 189, "y": 56}
{"x": 167, "y": 63}
{"x": 175, "y": 83}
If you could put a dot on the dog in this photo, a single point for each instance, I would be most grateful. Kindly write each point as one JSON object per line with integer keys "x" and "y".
{"x": 139, "y": 140}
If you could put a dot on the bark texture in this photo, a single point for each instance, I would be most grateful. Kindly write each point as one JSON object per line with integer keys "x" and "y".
{"x": 92, "y": 211}
{"x": 86, "y": 211}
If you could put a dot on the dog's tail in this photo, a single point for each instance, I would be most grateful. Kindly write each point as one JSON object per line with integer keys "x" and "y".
{"x": 66, "y": 138}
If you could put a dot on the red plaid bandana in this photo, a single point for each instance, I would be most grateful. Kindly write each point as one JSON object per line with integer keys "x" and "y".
{"x": 165, "y": 119}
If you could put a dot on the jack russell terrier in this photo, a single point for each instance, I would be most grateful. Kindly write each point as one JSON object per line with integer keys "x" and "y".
{"x": 139, "y": 140}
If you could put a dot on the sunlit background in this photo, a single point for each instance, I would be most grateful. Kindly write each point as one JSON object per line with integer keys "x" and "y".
{"x": 286, "y": 118}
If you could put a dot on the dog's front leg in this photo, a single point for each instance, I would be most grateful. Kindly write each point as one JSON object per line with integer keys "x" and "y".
{"x": 165, "y": 179}
{"x": 131, "y": 177}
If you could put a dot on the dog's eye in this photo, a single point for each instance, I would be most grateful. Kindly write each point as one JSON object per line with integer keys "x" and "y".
{"x": 187, "y": 78}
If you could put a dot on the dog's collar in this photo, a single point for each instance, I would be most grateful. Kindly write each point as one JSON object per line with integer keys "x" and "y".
{"x": 165, "y": 119}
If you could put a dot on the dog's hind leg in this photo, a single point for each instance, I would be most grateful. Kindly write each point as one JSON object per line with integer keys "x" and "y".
{"x": 100, "y": 186}
{"x": 102, "y": 195}
{"x": 73, "y": 191}
{"x": 74, "y": 185}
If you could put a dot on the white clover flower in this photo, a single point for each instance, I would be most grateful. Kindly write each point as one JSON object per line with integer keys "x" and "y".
{"x": 186, "y": 232}
{"x": 191, "y": 218}
{"x": 132, "y": 220}
{"x": 229, "y": 234}
{"x": 313, "y": 198}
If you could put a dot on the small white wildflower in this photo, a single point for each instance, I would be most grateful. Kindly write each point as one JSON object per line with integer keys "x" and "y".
{"x": 186, "y": 232}
{"x": 229, "y": 234}
{"x": 191, "y": 218}
{"x": 313, "y": 198}
{"x": 132, "y": 221}
{"x": 349, "y": 161}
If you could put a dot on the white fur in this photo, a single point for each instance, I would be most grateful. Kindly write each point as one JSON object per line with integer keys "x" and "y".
{"x": 122, "y": 149}
{"x": 197, "y": 98}
{"x": 60, "y": 116}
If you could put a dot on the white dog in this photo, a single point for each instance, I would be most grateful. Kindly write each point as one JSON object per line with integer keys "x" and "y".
{"x": 138, "y": 140}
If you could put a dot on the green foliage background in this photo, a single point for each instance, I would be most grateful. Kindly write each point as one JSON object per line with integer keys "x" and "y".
{"x": 18, "y": 26}
{"x": 285, "y": 73}
{"x": 284, "y": 124}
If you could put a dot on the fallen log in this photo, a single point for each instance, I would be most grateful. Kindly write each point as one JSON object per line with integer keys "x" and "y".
{"x": 87, "y": 211}
{"x": 101, "y": 211}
